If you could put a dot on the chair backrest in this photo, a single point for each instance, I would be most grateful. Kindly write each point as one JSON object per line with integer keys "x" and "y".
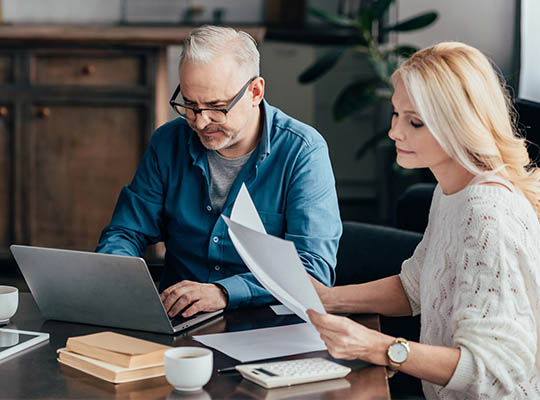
{"x": 368, "y": 252}
{"x": 412, "y": 208}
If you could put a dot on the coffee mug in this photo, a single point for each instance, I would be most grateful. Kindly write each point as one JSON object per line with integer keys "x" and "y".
{"x": 9, "y": 301}
{"x": 188, "y": 368}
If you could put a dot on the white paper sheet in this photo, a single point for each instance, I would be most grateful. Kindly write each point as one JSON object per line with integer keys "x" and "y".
{"x": 261, "y": 344}
{"x": 274, "y": 261}
{"x": 276, "y": 265}
{"x": 244, "y": 211}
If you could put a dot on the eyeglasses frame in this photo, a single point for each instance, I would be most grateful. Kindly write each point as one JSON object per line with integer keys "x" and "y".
{"x": 196, "y": 111}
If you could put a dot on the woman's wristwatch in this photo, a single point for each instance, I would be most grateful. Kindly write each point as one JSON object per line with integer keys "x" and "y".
{"x": 398, "y": 353}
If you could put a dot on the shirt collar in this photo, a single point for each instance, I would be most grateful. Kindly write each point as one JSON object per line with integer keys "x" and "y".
{"x": 263, "y": 148}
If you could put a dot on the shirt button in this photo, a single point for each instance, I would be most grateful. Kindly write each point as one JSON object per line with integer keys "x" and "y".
{"x": 217, "y": 267}
{"x": 215, "y": 239}
{"x": 208, "y": 208}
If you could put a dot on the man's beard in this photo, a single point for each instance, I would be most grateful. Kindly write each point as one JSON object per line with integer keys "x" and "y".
{"x": 216, "y": 143}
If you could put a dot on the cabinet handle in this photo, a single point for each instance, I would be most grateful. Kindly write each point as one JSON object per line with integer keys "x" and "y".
{"x": 44, "y": 112}
{"x": 3, "y": 112}
{"x": 89, "y": 69}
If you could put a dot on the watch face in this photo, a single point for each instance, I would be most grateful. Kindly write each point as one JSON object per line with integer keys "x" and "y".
{"x": 398, "y": 353}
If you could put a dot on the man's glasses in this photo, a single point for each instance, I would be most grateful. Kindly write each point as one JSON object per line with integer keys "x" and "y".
{"x": 214, "y": 115}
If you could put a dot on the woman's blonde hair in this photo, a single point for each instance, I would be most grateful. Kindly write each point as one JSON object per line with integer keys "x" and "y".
{"x": 464, "y": 104}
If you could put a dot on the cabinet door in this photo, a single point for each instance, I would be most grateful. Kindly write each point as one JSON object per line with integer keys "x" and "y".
{"x": 80, "y": 157}
{"x": 6, "y": 188}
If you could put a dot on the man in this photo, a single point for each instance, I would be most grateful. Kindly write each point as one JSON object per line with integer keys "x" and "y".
{"x": 195, "y": 166}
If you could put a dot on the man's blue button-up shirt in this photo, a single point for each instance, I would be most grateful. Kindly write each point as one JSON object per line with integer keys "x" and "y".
{"x": 288, "y": 176}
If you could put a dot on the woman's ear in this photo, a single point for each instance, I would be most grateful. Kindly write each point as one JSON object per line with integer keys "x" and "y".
{"x": 257, "y": 91}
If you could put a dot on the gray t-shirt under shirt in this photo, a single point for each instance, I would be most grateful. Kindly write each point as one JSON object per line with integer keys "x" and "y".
{"x": 223, "y": 172}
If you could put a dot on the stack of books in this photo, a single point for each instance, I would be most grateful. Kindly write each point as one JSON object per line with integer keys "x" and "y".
{"x": 114, "y": 357}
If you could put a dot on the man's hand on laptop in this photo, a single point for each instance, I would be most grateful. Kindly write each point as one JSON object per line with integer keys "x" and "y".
{"x": 192, "y": 297}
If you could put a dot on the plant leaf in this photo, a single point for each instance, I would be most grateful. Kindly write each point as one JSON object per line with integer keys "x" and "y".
{"x": 372, "y": 142}
{"x": 321, "y": 66}
{"x": 356, "y": 96}
{"x": 382, "y": 67}
{"x": 418, "y": 22}
{"x": 380, "y": 7}
{"x": 365, "y": 20}
{"x": 332, "y": 18}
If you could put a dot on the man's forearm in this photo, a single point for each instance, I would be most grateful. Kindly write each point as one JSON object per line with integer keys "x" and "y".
{"x": 124, "y": 242}
{"x": 384, "y": 296}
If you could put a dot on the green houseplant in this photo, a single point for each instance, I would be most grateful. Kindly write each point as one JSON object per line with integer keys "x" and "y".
{"x": 367, "y": 30}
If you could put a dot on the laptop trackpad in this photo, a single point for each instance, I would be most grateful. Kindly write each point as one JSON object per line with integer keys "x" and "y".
{"x": 180, "y": 323}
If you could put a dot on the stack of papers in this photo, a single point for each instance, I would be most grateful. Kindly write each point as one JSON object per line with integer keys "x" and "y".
{"x": 277, "y": 266}
{"x": 274, "y": 261}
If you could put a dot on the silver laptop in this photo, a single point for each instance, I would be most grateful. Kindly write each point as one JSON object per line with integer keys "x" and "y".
{"x": 98, "y": 289}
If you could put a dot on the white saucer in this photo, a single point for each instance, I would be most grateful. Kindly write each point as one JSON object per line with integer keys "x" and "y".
{"x": 4, "y": 321}
{"x": 191, "y": 390}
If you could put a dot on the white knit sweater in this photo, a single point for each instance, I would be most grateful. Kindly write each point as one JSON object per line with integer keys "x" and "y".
{"x": 475, "y": 279}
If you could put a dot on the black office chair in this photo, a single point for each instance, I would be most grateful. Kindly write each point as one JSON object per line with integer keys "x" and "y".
{"x": 369, "y": 252}
{"x": 412, "y": 208}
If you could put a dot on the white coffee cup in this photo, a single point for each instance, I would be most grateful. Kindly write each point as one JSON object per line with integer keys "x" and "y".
{"x": 9, "y": 301}
{"x": 188, "y": 368}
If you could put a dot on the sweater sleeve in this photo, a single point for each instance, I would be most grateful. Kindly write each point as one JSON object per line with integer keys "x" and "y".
{"x": 493, "y": 317}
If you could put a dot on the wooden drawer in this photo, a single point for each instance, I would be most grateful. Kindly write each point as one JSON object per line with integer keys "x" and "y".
{"x": 6, "y": 68}
{"x": 87, "y": 69}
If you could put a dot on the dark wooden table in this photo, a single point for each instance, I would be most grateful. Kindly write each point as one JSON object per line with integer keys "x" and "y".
{"x": 35, "y": 373}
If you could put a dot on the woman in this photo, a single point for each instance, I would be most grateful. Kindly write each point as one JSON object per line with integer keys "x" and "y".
{"x": 474, "y": 276}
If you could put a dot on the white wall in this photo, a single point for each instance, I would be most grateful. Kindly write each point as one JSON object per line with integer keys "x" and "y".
{"x": 76, "y": 11}
{"x": 485, "y": 24}
{"x": 111, "y": 11}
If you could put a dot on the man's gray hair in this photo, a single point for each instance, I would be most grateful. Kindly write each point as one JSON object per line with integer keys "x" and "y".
{"x": 208, "y": 41}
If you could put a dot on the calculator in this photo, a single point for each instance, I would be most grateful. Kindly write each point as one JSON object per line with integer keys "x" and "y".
{"x": 292, "y": 372}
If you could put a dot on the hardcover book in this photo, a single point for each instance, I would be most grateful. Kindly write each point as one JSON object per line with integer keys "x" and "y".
{"x": 114, "y": 348}
{"x": 107, "y": 371}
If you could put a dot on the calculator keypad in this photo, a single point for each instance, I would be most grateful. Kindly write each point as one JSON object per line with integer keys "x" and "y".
{"x": 291, "y": 372}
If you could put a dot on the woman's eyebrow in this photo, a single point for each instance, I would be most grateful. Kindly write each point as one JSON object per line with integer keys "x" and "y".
{"x": 410, "y": 112}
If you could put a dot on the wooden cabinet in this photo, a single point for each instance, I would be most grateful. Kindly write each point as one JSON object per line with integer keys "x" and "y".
{"x": 74, "y": 122}
{"x": 74, "y": 175}
{"x": 78, "y": 105}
